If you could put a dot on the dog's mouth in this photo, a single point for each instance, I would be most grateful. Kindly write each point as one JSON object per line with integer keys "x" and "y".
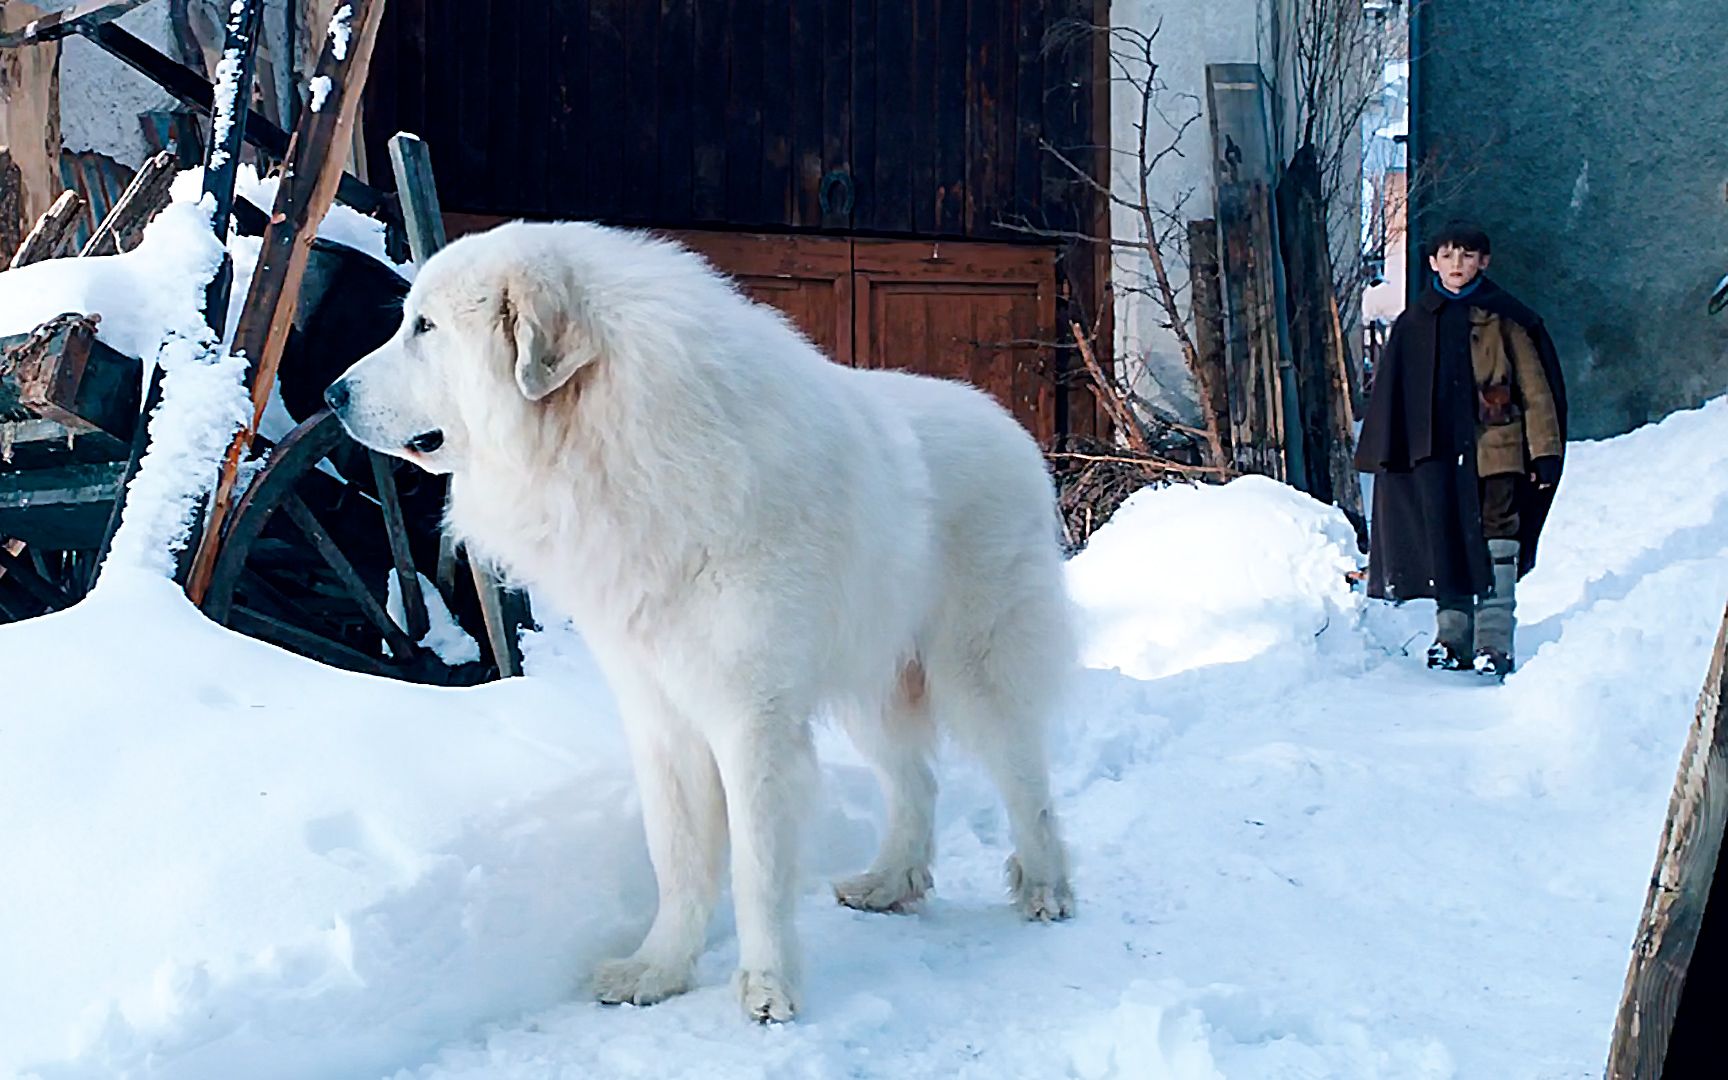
{"x": 426, "y": 442}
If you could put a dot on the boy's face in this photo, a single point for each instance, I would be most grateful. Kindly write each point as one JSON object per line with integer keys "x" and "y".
{"x": 1456, "y": 266}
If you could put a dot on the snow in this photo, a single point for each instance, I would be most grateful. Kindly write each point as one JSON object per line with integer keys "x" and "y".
{"x": 1297, "y": 852}
{"x": 341, "y": 26}
{"x": 319, "y": 88}
{"x": 228, "y": 72}
{"x": 444, "y": 635}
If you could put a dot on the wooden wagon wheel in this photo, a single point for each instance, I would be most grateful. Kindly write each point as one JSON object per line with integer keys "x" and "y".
{"x": 308, "y": 554}
{"x": 34, "y": 581}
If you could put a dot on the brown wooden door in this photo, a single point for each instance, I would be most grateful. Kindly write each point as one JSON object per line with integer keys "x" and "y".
{"x": 807, "y": 277}
{"x": 982, "y": 313}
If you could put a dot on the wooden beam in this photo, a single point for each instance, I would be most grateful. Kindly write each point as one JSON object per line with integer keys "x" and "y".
{"x": 30, "y": 120}
{"x": 51, "y": 233}
{"x": 147, "y": 194}
{"x": 1674, "y": 908}
{"x": 58, "y": 24}
{"x": 195, "y": 90}
{"x": 313, "y": 170}
{"x": 412, "y": 162}
{"x": 11, "y": 205}
{"x": 503, "y": 614}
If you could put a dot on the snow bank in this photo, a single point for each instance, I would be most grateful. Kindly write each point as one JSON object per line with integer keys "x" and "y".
{"x": 1187, "y": 576}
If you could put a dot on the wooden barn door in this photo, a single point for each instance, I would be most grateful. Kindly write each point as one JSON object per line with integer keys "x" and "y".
{"x": 982, "y": 313}
{"x": 807, "y": 277}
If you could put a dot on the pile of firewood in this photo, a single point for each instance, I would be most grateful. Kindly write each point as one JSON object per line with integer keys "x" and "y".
{"x": 1094, "y": 478}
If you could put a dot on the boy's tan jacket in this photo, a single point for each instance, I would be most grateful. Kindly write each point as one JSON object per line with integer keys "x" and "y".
{"x": 1508, "y": 369}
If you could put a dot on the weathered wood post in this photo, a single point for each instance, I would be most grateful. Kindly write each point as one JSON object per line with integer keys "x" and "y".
{"x": 313, "y": 171}
{"x": 502, "y": 610}
{"x": 1675, "y": 908}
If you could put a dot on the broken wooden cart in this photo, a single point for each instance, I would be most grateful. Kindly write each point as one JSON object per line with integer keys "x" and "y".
{"x": 310, "y": 541}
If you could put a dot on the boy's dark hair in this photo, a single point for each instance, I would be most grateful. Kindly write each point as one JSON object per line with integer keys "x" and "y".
{"x": 1460, "y": 234}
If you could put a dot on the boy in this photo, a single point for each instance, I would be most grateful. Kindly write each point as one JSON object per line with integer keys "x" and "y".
{"x": 1465, "y": 434}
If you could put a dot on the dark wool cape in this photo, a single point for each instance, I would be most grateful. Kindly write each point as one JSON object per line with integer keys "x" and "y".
{"x": 1426, "y": 535}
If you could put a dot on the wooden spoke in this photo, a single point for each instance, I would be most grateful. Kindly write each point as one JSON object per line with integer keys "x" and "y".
{"x": 33, "y": 579}
{"x": 305, "y": 642}
{"x": 413, "y": 600}
{"x": 302, "y": 515}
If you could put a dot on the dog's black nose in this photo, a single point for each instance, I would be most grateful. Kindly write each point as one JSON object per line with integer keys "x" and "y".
{"x": 337, "y": 396}
{"x": 426, "y": 442}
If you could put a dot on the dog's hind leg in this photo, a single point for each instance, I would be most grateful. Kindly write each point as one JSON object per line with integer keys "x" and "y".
{"x": 684, "y": 815}
{"x": 898, "y": 744}
{"x": 997, "y": 708}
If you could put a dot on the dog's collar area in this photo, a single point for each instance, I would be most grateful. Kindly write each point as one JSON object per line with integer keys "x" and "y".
{"x": 426, "y": 442}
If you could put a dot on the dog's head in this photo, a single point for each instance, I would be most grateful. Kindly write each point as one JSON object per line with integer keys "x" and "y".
{"x": 493, "y": 325}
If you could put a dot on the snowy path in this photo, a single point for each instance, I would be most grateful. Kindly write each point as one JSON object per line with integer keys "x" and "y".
{"x": 1298, "y": 854}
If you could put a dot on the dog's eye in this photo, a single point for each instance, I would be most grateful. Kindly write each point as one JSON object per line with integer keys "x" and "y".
{"x": 422, "y": 324}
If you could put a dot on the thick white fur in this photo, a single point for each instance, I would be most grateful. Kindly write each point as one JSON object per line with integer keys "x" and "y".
{"x": 746, "y": 535}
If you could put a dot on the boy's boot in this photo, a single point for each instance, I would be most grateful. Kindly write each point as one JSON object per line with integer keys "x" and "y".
{"x": 1452, "y": 635}
{"x": 1494, "y": 614}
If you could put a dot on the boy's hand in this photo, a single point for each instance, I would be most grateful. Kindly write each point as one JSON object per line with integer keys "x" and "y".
{"x": 1545, "y": 472}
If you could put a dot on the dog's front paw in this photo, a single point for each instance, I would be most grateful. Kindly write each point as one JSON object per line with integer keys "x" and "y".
{"x": 884, "y": 890}
{"x": 1039, "y": 901}
{"x": 631, "y": 981}
{"x": 767, "y": 997}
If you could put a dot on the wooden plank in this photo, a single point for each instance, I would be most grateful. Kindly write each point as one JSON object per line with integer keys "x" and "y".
{"x": 11, "y": 205}
{"x": 1675, "y": 906}
{"x": 1208, "y": 324}
{"x": 411, "y": 161}
{"x": 28, "y": 25}
{"x": 640, "y": 146}
{"x": 1029, "y": 105}
{"x": 313, "y": 169}
{"x": 407, "y": 576}
{"x": 775, "y": 203}
{"x": 865, "y": 141}
{"x": 983, "y": 115}
{"x": 677, "y": 87}
{"x": 804, "y": 48}
{"x": 951, "y": 78}
{"x": 29, "y": 125}
{"x": 499, "y": 54}
{"x": 891, "y": 180}
{"x": 124, "y": 225}
{"x": 921, "y": 122}
{"x": 1003, "y": 93}
{"x": 839, "y": 184}
{"x": 569, "y": 149}
{"x": 744, "y": 111}
{"x": 708, "y": 124}
{"x": 51, "y": 232}
{"x": 64, "y": 375}
{"x": 604, "y": 134}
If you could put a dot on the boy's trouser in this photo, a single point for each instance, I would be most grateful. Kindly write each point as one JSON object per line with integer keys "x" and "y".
{"x": 1459, "y": 621}
{"x": 1495, "y": 618}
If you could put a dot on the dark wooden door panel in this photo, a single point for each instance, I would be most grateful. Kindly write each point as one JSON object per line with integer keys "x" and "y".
{"x": 809, "y": 278}
{"x": 981, "y": 313}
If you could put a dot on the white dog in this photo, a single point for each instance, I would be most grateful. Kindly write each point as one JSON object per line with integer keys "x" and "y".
{"x": 746, "y": 534}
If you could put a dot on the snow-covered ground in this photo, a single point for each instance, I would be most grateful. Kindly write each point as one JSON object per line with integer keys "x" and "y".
{"x": 1298, "y": 854}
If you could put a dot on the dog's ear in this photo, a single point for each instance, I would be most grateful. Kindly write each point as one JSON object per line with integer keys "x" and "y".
{"x": 551, "y": 346}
